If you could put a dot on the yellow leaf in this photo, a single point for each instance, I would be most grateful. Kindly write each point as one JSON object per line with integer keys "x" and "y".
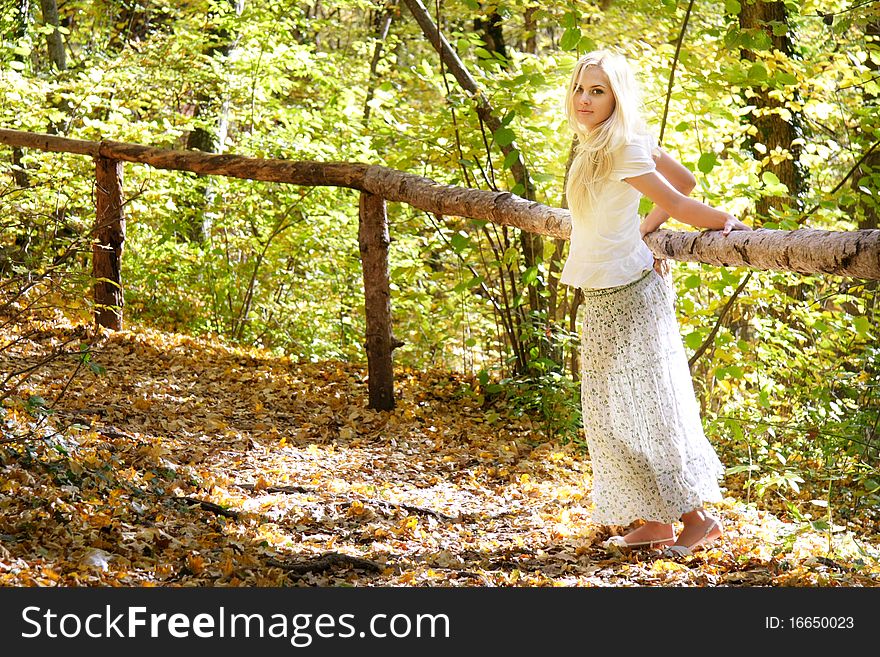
{"x": 195, "y": 562}
{"x": 227, "y": 567}
{"x": 143, "y": 404}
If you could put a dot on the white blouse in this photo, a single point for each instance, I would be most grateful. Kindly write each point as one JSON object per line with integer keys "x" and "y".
{"x": 606, "y": 246}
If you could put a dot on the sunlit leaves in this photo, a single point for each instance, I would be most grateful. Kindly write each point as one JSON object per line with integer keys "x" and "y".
{"x": 291, "y": 451}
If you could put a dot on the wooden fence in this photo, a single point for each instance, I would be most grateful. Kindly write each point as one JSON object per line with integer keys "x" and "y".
{"x": 807, "y": 251}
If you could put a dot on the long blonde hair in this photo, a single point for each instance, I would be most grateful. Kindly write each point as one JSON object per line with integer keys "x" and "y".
{"x": 593, "y": 154}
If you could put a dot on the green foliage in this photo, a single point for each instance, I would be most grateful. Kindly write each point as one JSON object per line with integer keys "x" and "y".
{"x": 787, "y": 383}
{"x": 551, "y": 400}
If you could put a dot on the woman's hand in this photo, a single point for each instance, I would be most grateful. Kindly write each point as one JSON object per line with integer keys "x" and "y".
{"x": 652, "y": 221}
{"x": 732, "y": 223}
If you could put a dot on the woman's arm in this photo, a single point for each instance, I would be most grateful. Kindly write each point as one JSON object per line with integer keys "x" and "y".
{"x": 670, "y": 199}
{"x": 676, "y": 175}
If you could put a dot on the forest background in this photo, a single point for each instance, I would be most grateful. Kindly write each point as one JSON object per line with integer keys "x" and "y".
{"x": 772, "y": 104}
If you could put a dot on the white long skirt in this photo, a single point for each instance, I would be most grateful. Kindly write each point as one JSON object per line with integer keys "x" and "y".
{"x": 650, "y": 457}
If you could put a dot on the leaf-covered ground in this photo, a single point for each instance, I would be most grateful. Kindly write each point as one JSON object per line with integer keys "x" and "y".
{"x": 188, "y": 463}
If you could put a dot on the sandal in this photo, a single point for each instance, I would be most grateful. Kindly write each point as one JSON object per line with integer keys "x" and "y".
{"x": 621, "y": 542}
{"x": 713, "y": 531}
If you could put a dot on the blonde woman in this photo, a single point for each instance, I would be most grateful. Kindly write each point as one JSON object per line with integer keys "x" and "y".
{"x": 651, "y": 460}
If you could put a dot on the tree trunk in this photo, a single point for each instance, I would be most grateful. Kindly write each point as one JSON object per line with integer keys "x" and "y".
{"x": 383, "y": 25}
{"x": 531, "y": 30}
{"x": 54, "y": 42}
{"x": 57, "y": 55}
{"x": 774, "y": 132}
{"x": 109, "y": 235}
{"x": 492, "y": 31}
{"x": 373, "y": 240}
{"x": 211, "y": 139}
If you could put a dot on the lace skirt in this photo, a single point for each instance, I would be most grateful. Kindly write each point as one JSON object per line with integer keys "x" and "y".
{"x": 650, "y": 457}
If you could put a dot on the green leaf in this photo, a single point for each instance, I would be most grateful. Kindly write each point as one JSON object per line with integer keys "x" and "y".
{"x": 735, "y": 372}
{"x": 758, "y": 73}
{"x": 570, "y": 38}
{"x": 511, "y": 158}
{"x": 570, "y": 19}
{"x": 735, "y": 428}
{"x": 537, "y": 79}
{"x": 736, "y": 469}
{"x": 780, "y": 29}
{"x": 36, "y": 401}
{"x": 770, "y": 179}
{"x": 732, "y": 7}
{"x": 462, "y": 286}
{"x": 586, "y": 44}
{"x": 707, "y": 162}
{"x": 863, "y": 325}
{"x": 693, "y": 281}
{"x": 733, "y": 39}
{"x": 460, "y": 242}
{"x": 694, "y": 340}
{"x": 504, "y": 136}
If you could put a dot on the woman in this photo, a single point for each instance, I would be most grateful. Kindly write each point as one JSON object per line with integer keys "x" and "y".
{"x": 650, "y": 458}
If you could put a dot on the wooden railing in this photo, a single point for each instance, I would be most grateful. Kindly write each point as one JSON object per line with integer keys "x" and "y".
{"x": 807, "y": 251}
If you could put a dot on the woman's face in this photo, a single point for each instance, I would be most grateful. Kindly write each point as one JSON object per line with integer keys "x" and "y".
{"x": 592, "y": 99}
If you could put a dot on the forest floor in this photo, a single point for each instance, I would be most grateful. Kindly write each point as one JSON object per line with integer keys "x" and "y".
{"x": 190, "y": 463}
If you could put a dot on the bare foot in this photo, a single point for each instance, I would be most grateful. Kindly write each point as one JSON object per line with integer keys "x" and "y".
{"x": 651, "y": 534}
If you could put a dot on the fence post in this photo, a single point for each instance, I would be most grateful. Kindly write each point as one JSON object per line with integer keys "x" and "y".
{"x": 373, "y": 240}
{"x": 109, "y": 234}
